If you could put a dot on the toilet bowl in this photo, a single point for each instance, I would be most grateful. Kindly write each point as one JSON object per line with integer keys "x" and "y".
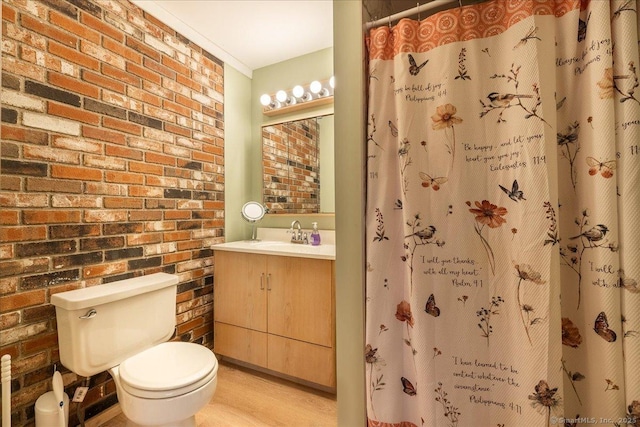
{"x": 166, "y": 384}
{"x": 123, "y": 328}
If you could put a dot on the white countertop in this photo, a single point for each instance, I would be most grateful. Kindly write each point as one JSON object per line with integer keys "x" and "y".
{"x": 275, "y": 243}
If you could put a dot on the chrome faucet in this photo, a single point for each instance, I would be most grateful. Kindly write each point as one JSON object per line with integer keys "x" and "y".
{"x": 296, "y": 233}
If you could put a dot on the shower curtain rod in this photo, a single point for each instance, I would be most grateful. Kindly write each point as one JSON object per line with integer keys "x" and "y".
{"x": 414, "y": 10}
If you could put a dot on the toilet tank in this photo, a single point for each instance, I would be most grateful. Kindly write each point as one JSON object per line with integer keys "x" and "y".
{"x": 100, "y": 326}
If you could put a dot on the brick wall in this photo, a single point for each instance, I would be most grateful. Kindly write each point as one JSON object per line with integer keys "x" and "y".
{"x": 291, "y": 166}
{"x": 111, "y": 167}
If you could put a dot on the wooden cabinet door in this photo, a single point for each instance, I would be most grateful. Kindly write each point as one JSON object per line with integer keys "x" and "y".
{"x": 240, "y": 343}
{"x": 310, "y": 362}
{"x": 239, "y": 290}
{"x": 301, "y": 299}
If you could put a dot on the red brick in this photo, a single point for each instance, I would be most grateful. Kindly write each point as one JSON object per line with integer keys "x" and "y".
{"x": 187, "y": 102}
{"x": 122, "y": 203}
{"x": 146, "y": 75}
{"x": 190, "y": 325}
{"x": 49, "y": 31}
{"x": 184, "y": 297}
{"x": 176, "y": 108}
{"x": 74, "y": 56}
{"x": 49, "y": 216}
{"x": 175, "y": 65}
{"x": 102, "y": 188}
{"x": 125, "y": 152}
{"x": 123, "y": 177}
{"x": 8, "y": 14}
{"x": 144, "y": 96}
{"x": 23, "y": 69}
{"x": 24, "y": 135}
{"x": 73, "y": 85}
{"x": 104, "y": 82}
{"x": 160, "y": 158}
{"x": 139, "y": 46}
{"x": 8, "y": 217}
{"x": 179, "y": 130}
{"x": 145, "y": 238}
{"x": 104, "y": 135}
{"x": 185, "y": 80}
{"x": 146, "y": 191}
{"x": 146, "y": 168}
{"x": 74, "y": 172}
{"x": 182, "y": 214}
{"x": 122, "y": 50}
{"x": 73, "y": 26}
{"x": 120, "y": 75}
{"x": 164, "y": 27}
{"x": 44, "y": 185}
{"x": 22, "y": 234}
{"x": 22, "y": 299}
{"x": 153, "y": 65}
{"x": 213, "y": 149}
{"x": 104, "y": 269}
{"x": 40, "y": 342}
{"x": 101, "y": 27}
{"x": 77, "y": 114}
{"x": 177, "y": 235}
{"x": 121, "y": 125}
{"x": 202, "y": 157}
{"x": 12, "y": 350}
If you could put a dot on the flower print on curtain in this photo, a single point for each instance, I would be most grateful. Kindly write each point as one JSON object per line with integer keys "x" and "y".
{"x": 504, "y": 172}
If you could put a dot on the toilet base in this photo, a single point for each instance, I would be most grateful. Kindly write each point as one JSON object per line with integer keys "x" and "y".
{"x": 189, "y": 422}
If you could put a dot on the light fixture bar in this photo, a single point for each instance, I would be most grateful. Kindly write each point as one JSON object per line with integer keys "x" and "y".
{"x": 283, "y": 101}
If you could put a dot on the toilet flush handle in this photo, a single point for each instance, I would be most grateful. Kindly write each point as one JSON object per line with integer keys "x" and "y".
{"x": 91, "y": 313}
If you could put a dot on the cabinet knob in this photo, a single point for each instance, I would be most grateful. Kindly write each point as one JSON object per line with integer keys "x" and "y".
{"x": 262, "y": 281}
{"x": 269, "y": 281}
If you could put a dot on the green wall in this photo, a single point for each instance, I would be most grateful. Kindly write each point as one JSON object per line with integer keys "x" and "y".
{"x": 350, "y": 167}
{"x": 237, "y": 152}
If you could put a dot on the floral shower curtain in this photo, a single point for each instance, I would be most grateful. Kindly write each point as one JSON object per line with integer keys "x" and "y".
{"x": 503, "y": 203}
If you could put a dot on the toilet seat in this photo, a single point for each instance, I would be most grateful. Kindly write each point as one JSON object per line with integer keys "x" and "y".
{"x": 167, "y": 370}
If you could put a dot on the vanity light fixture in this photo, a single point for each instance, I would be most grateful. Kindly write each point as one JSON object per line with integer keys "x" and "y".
{"x": 317, "y": 93}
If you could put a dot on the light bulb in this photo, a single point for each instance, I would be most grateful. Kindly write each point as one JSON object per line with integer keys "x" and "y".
{"x": 315, "y": 86}
{"x": 265, "y": 100}
{"x": 298, "y": 91}
{"x": 332, "y": 82}
{"x": 281, "y": 96}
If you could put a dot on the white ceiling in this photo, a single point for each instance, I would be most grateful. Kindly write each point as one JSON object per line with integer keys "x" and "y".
{"x": 249, "y": 34}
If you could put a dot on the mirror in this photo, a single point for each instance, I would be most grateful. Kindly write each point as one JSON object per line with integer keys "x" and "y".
{"x": 293, "y": 180}
{"x": 253, "y": 212}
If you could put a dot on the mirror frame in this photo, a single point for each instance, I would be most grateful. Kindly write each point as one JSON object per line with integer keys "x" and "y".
{"x": 254, "y": 205}
{"x": 313, "y": 114}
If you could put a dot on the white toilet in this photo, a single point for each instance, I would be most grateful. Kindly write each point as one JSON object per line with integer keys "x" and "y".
{"x": 123, "y": 327}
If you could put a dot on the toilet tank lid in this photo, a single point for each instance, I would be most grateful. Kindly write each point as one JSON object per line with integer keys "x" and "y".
{"x": 95, "y": 295}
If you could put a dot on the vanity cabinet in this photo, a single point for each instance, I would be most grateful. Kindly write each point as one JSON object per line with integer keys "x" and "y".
{"x": 276, "y": 312}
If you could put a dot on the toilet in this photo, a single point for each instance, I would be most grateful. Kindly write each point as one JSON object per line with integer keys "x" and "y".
{"x": 123, "y": 328}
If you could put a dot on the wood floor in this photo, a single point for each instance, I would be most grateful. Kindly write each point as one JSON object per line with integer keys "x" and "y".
{"x": 245, "y": 398}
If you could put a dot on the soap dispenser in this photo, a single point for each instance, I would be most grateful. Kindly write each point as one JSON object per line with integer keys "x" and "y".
{"x": 315, "y": 235}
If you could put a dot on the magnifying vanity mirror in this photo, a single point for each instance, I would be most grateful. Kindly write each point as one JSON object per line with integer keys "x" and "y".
{"x": 297, "y": 165}
{"x": 253, "y": 212}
